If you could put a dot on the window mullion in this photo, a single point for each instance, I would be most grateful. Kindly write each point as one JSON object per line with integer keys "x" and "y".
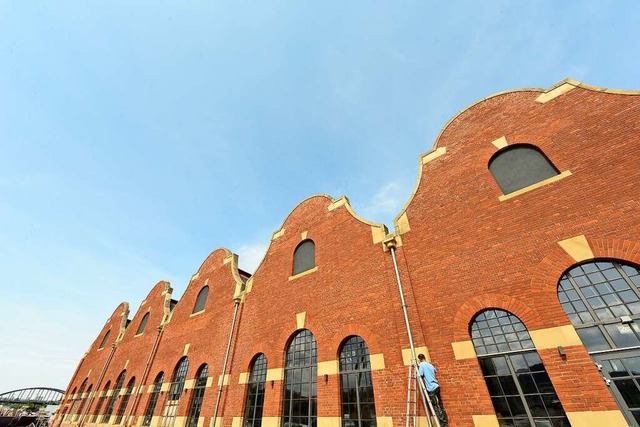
{"x": 520, "y": 392}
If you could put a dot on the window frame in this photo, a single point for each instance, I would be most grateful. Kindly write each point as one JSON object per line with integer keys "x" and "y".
{"x": 293, "y": 369}
{"x": 299, "y": 252}
{"x": 201, "y": 301}
{"x": 254, "y": 397}
{"x": 143, "y": 324}
{"x": 358, "y": 349}
{"x": 197, "y": 395}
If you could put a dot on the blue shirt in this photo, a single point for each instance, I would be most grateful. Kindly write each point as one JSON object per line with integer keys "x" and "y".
{"x": 428, "y": 372}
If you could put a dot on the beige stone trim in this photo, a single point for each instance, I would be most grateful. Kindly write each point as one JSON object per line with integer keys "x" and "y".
{"x": 384, "y": 421}
{"x": 200, "y": 421}
{"x": 138, "y": 420}
{"x": 277, "y": 234}
{"x": 165, "y": 386}
{"x": 555, "y": 92}
{"x": 275, "y": 374}
{"x": 328, "y": 421}
{"x": 186, "y": 349}
{"x": 329, "y": 367}
{"x": 402, "y": 224}
{"x": 150, "y": 388}
{"x": 189, "y": 384}
{"x": 126, "y": 364}
{"x": 180, "y": 422}
{"x": 554, "y": 337}
{"x": 223, "y": 380}
{"x": 270, "y": 421}
{"x": 304, "y": 273}
{"x": 249, "y": 285}
{"x": 500, "y": 142}
{"x": 534, "y": 186}
{"x": 463, "y": 350}
{"x": 244, "y": 378}
{"x": 337, "y": 203}
{"x": 597, "y": 418}
{"x": 195, "y": 276}
{"x": 155, "y": 420}
{"x": 109, "y": 393}
{"x": 406, "y": 354}
{"x": 209, "y": 382}
{"x": 376, "y": 361}
{"x": 303, "y": 235}
{"x": 433, "y": 154}
{"x": 577, "y": 247}
{"x": 378, "y": 234}
{"x": 237, "y": 421}
{"x": 485, "y": 421}
{"x": 300, "y": 319}
{"x": 198, "y": 313}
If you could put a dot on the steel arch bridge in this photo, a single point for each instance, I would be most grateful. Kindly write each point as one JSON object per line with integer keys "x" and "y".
{"x": 37, "y": 395}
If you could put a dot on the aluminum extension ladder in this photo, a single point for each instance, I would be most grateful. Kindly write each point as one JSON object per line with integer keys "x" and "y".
{"x": 414, "y": 383}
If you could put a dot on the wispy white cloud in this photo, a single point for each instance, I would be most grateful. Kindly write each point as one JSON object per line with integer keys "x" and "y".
{"x": 251, "y": 254}
{"x": 386, "y": 202}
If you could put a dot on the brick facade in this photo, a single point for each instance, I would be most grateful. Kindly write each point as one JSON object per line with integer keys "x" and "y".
{"x": 461, "y": 247}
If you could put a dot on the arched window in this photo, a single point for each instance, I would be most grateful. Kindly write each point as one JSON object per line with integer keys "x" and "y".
{"x": 101, "y": 402}
{"x": 143, "y": 324}
{"x": 299, "y": 406}
{"x": 255, "y": 392}
{"x": 197, "y": 396}
{"x": 519, "y": 166}
{"x": 104, "y": 340}
{"x": 114, "y": 396}
{"x": 153, "y": 399}
{"x": 602, "y": 300}
{"x": 201, "y": 301}
{"x": 520, "y": 389}
{"x": 304, "y": 257}
{"x": 70, "y": 400}
{"x": 84, "y": 400}
{"x": 356, "y": 387}
{"x": 78, "y": 399}
{"x": 175, "y": 392}
{"x": 125, "y": 399}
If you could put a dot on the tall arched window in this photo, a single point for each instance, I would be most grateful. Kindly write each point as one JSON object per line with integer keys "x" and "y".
{"x": 84, "y": 400}
{"x": 104, "y": 339}
{"x": 175, "y": 392}
{"x": 153, "y": 399}
{"x": 255, "y": 392}
{"x": 519, "y": 166}
{"x": 125, "y": 400}
{"x": 143, "y": 324}
{"x": 602, "y": 300}
{"x": 356, "y": 386}
{"x": 114, "y": 396}
{"x": 304, "y": 257}
{"x": 197, "y": 396}
{"x": 520, "y": 389}
{"x": 70, "y": 401}
{"x": 78, "y": 399}
{"x": 101, "y": 402}
{"x": 201, "y": 301}
{"x": 299, "y": 406}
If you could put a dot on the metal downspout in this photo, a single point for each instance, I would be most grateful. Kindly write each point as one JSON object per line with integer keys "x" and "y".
{"x": 226, "y": 360}
{"x": 145, "y": 374}
{"x": 96, "y": 390}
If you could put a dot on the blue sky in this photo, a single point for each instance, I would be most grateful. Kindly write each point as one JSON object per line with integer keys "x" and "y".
{"x": 137, "y": 137}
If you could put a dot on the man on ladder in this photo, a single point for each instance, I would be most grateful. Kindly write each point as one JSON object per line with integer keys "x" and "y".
{"x": 428, "y": 373}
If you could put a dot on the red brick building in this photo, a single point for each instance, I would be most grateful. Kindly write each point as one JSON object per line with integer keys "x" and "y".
{"x": 513, "y": 267}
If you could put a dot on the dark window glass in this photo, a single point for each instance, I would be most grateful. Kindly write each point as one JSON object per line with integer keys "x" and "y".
{"x": 197, "y": 396}
{"x": 101, "y": 402}
{"x": 175, "y": 392}
{"x": 356, "y": 386}
{"x": 255, "y": 392}
{"x": 299, "y": 405}
{"x": 519, "y": 166}
{"x": 595, "y": 296}
{"x": 304, "y": 257}
{"x": 201, "y": 301}
{"x": 153, "y": 399}
{"x": 84, "y": 399}
{"x": 104, "y": 340}
{"x": 114, "y": 397}
{"x": 143, "y": 324}
{"x": 125, "y": 400}
{"x": 517, "y": 381}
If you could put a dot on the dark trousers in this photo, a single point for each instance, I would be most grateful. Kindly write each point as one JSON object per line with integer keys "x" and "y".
{"x": 436, "y": 401}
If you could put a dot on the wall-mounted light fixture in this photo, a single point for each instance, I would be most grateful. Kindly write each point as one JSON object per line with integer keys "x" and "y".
{"x": 326, "y": 378}
{"x": 562, "y": 352}
{"x": 272, "y": 383}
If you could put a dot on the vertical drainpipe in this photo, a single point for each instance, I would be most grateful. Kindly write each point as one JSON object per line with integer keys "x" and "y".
{"x": 145, "y": 374}
{"x": 96, "y": 390}
{"x": 226, "y": 360}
